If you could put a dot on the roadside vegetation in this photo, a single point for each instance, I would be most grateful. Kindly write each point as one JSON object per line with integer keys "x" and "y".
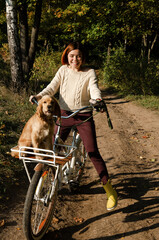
{"x": 14, "y": 112}
{"x": 15, "y": 109}
{"x": 133, "y": 78}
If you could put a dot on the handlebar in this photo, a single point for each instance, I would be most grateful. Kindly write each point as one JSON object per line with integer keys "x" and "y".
{"x": 77, "y": 111}
{"x": 93, "y": 105}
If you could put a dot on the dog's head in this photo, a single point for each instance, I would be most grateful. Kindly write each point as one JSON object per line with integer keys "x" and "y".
{"x": 48, "y": 106}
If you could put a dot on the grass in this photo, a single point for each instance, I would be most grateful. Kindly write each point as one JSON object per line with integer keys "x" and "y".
{"x": 151, "y": 102}
{"x": 15, "y": 110}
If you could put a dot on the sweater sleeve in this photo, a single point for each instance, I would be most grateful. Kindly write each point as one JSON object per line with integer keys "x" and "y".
{"x": 54, "y": 85}
{"x": 95, "y": 92}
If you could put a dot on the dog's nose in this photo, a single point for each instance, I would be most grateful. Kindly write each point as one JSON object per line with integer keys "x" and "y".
{"x": 49, "y": 106}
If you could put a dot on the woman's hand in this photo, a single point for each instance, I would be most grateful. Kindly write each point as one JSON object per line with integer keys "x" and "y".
{"x": 37, "y": 97}
{"x": 100, "y": 105}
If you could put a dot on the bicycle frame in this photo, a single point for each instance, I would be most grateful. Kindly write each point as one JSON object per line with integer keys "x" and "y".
{"x": 53, "y": 169}
{"x": 63, "y": 164}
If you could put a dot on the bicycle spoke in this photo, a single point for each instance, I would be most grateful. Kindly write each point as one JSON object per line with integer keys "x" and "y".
{"x": 80, "y": 157}
{"x": 40, "y": 209}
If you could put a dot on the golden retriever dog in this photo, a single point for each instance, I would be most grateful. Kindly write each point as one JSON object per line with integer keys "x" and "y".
{"x": 38, "y": 131}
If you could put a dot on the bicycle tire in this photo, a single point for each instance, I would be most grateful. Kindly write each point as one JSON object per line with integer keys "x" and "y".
{"x": 80, "y": 155}
{"x": 82, "y": 160}
{"x": 38, "y": 208}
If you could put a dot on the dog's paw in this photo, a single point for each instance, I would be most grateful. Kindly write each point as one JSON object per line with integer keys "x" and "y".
{"x": 39, "y": 157}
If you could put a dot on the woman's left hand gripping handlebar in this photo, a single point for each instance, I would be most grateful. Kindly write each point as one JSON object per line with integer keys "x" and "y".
{"x": 34, "y": 99}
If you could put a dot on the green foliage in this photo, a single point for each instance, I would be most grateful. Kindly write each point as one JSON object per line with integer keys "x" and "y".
{"x": 97, "y": 23}
{"x": 5, "y": 76}
{"x": 3, "y": 28}
{"x": 15, "y": 110}
{"x": 130, "y": 74}
{"x": 44, "y": 69}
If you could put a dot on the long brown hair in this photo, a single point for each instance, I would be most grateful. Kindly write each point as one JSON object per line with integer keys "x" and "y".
{"x": 69, "y": 48}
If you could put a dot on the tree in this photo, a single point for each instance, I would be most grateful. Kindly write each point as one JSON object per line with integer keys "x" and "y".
{"x": 22, "y": 54}
{"x": 14, "y": 47}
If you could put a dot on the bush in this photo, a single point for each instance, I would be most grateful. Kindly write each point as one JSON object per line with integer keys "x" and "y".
{"x": 5, "y": 74}
{"x": 44, "y": 69}
{"x": 131, "y": 75}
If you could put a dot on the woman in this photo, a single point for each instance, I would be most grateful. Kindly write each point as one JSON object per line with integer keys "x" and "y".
{"x": 77, "y": 85}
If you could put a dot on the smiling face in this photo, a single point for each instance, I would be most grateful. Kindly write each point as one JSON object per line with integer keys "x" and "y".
{"x": 75, "y": 59}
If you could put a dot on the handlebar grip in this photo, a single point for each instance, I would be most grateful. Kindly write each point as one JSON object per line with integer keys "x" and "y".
{"x": 34, "y": 100}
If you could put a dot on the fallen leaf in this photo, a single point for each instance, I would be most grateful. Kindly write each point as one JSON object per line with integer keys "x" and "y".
{"x": 1, "y": 223}
{"x": 55, "y": 220}
{"x": 134, "y": 138}
{"x": 2, "y": 126}
{"x": 145, "y": 136}
{"x": 78, "y": 219}
{"x": 153, "y": 160}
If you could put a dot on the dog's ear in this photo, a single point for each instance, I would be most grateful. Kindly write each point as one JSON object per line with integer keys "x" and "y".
{"x": 39, "y": 109}
{"x": 57, "y": 109}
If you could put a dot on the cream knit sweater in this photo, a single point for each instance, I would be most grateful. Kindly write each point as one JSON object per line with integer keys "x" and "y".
{"x": 75, "y": 88}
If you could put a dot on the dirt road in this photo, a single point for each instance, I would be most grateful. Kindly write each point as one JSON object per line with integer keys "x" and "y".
{"x": 131, "y": 152}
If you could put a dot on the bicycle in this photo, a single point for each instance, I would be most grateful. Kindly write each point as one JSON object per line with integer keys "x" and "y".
{"x": 62, "y": 165}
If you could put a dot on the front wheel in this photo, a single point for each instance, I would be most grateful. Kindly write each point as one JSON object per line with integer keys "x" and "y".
{"x": 40, "y": 203}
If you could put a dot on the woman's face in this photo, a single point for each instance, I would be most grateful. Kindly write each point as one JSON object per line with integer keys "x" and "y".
{"x": 75, "y": 59}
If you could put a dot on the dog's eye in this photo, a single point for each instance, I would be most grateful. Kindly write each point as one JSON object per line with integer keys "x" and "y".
{"x": 44, "y": 101}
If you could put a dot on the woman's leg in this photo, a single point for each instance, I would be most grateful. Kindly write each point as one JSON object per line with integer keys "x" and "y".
{"x": 66, "y": 125}
{"x": 88, "y": 136}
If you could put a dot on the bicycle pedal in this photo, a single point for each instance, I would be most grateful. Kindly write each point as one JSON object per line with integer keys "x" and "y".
{"x": 73, "y": 185}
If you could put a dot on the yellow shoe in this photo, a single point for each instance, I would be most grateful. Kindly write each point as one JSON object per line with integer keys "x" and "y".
{"x": 111, "y": 195}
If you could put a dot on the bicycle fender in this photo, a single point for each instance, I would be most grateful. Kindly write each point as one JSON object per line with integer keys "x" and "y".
{"x": 39, "y": 167}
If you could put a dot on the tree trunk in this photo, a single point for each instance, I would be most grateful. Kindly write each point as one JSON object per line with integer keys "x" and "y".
{"x": 22, "y": 56}
{"x": 14, "y": 46}
{"x": 34, "y": 34}
{"x": 151, "y": 45}
{"x": 23, "y": 23}
{"x": 109, "y": 52}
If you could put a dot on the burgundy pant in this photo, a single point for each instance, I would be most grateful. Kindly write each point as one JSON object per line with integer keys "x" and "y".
{"x": 88, "y": 135}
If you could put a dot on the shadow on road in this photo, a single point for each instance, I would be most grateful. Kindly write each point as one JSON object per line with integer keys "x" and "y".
{"x": 130, "y": 188}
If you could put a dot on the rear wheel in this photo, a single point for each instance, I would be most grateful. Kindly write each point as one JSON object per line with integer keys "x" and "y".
{"x": 80, "y": 158}
{"x": 40, "y": 204}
